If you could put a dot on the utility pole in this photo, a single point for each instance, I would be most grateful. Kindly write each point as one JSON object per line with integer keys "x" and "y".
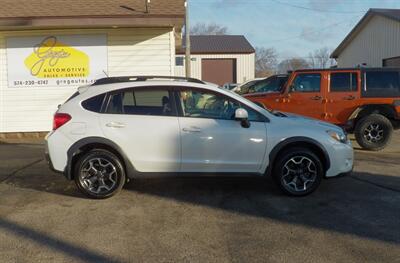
{"x": 187, "y": 48}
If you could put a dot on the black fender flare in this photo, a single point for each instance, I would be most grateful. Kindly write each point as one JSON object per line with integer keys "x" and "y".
{"x": 371, "y": 108}
{"x": 293, "y": 141}
{"x": 76, "y": 149}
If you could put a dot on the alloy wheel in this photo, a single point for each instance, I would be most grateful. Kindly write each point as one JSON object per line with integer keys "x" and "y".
{"x": 98, "y": 176}
{"x": 374, "y": 133}
{"x": 299, "y": 173}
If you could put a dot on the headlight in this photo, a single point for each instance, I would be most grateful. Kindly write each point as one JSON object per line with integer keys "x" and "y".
{"x": 338, "y": 136}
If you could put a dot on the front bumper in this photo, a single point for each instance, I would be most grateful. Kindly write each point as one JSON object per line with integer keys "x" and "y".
{"x": 342, "y": 160}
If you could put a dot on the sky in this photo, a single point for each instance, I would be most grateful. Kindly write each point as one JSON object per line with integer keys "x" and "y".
{"x": 293, "y": 27}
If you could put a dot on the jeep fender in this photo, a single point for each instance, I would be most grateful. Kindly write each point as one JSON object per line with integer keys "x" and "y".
{"x": 384, "y": 109}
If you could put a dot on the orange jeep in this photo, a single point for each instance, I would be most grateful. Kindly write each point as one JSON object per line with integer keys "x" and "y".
{"x": 365, "y": 101}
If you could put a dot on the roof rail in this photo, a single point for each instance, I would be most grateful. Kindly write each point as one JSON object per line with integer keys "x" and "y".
{"x": 121, "y": 79}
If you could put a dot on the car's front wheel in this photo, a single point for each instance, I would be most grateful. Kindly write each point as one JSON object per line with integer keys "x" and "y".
{"x": 298, "y": 171}
{"x": 99, "y": 174}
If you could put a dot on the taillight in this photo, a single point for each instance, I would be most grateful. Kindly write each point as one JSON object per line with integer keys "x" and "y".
{"x": 60, "y": 119}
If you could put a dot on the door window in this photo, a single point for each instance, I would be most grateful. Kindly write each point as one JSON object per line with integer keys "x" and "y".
{"x": 308, "y": 82}
{"x": 142, "y": 102}
{"x": 203, "y": 104}
{"x": 343, "y": 82}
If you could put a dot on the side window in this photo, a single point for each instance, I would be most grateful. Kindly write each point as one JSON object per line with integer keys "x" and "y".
{"x": 203, "y": 104}
{"x": 343, "y": 82}
{"x": 141, "y": 102}
{"x": 382, "y": 83}
{"x": 94, "y": 104}
{"x": 307, "y": 82}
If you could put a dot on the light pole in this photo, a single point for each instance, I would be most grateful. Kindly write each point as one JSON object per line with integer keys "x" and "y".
{"x": 187, "y": 48}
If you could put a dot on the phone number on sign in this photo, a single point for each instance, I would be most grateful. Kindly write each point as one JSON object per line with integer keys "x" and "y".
{"x": 30, "y": 83}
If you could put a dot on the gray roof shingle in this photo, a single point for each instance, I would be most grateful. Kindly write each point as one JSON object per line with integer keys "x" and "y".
{"x": 219, "y": 44}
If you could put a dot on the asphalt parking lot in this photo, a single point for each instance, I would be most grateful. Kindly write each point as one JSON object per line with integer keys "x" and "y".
{"x": 43, "y": 218}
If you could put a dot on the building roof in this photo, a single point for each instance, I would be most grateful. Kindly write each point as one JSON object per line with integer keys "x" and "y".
{"x": 219, "y": 44}
{"x": 388, "y": 13}
{"x": 58, "y": 12}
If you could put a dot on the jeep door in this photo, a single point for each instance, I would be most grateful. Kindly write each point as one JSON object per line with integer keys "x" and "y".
{"x": 212, "y": 140}
{"x": 305, "y": 95}
{"x": 343, "y": 95}
{"x": 144, "y": 123}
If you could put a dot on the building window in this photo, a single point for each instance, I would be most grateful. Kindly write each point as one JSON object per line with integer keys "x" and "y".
{"x": 179, "y": 61}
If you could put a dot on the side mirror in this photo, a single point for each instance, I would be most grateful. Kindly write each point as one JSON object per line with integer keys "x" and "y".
{"x": 243, "y": 116}
{"x": 292, "y": 88}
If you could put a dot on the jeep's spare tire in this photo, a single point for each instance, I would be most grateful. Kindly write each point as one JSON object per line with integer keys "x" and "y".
{"x": 373, "y": 132}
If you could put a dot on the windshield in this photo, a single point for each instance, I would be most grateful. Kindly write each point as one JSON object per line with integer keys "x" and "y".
{"x": 245, "y": 87}
{"x": 271, "y": 84}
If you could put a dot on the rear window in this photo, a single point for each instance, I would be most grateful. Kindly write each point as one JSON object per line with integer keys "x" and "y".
{"x": 343, "y": 82}
{"x": 94, "y": 104}
{"x": 382, "y": 84}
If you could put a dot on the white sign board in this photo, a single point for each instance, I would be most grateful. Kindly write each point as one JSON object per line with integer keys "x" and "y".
{"x": 56, "y": 60}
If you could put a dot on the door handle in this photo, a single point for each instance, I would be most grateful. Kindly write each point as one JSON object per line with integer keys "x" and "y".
{"x": 192, "y": 129}
{"x": 351, "y": 97}
{"x": 316, "y": 98}
{"x": 115, "y": 125}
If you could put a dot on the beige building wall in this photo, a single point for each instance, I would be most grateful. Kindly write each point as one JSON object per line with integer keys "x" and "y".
{"x": 378, "y": 40}
{"x": 245, "y": 64}
{"x": 130, "y": 52}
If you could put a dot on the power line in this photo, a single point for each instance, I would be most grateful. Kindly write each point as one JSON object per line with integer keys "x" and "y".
{"x": 311, "y": 32}
{"x": 318, "y": 10}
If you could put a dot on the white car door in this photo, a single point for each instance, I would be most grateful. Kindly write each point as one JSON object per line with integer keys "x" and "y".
{"x": 144, "y": 123}
{"x": 212, "y": 141}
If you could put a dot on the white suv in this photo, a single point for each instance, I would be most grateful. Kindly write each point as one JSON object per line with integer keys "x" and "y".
{"x": 128, "y": 127}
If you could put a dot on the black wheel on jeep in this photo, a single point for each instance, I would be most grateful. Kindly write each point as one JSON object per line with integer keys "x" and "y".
{"x": 99, "y": 174}
{"x": 298, "y": 171}
{"x": 373, "y": 132}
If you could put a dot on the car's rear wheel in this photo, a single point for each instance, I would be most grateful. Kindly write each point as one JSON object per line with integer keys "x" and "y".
{"x": 298, "y": 171}
{"x": 373, "y": 132}
{"x": 99, "y": 174}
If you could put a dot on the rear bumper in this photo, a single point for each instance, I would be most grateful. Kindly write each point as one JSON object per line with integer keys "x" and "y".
{"x": 48, "y": 159}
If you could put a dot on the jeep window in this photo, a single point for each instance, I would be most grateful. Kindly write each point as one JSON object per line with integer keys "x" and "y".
{"x": 203, "y": 104}
{"x": 141, "y": 102}
{"x": 307, "y": 82}
{"x": 94, "y": 104}
{"x": 343, "y": 82}
{"x": 382, "y": 83}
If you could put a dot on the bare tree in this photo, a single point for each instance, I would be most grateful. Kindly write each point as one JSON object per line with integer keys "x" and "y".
{"x": 266, "y": 61}
{"x": 208, "y": 29}
{"x": 292, "y": 64}
{"x": 320, "y": 58}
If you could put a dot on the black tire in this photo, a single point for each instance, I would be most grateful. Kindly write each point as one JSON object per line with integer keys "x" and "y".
{"x": 283, "y": 177}
{"x": 113, "y": 175}
{"x": 373, "y": 139}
